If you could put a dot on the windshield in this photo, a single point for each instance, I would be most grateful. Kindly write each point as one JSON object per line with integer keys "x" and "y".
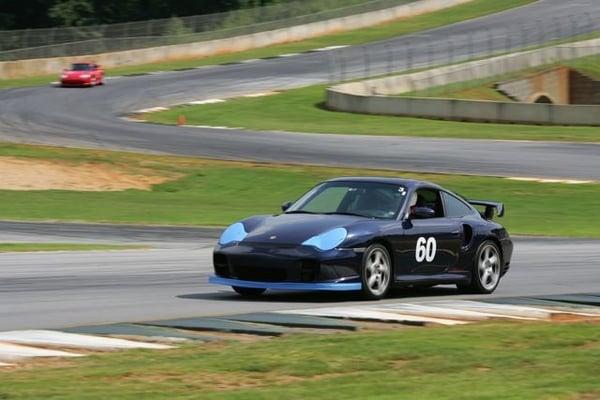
{"x": 80, "y": 67}
{"x": 365, "y": 199}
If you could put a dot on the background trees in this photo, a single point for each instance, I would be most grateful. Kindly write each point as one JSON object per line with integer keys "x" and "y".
{"x": 17, "y": 14}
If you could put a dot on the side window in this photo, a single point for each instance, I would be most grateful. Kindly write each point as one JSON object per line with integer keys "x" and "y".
{"x": 430, "y": 198}
{"x": 455, "y": 208}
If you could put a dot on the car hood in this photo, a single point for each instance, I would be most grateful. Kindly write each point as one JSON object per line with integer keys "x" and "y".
{"x": 294, "y": 229}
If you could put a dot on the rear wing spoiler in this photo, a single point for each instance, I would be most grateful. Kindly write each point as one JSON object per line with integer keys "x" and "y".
{"x": 490, "y": 206}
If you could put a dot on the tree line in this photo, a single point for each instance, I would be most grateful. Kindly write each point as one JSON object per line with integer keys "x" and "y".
{"x": 18, "y": 14}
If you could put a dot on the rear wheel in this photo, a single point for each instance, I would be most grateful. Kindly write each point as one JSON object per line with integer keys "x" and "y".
{"x": 485, "y": 273}
{"x": 248, "y": 292}
{"x": 376, "y": 272}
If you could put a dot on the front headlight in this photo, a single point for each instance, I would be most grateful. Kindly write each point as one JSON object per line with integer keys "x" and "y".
{"x": 328, "y": 240}
{"x": 234, "y": 233}
{"x": 84, "y": 76}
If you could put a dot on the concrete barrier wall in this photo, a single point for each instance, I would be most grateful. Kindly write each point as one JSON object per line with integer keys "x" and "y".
{"x": 467, "y": 110}
{"x": 373, "y": 96}
{"x": 24, "y": 68}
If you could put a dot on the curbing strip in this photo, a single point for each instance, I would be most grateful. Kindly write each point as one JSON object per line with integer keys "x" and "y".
{"x": 220, "y": 325}
{"x": 293, "y": 320}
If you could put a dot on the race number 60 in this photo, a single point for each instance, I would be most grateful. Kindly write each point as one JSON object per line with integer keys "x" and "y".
{"x": 426, "y": 249}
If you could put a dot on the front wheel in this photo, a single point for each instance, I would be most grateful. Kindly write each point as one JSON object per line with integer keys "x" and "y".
{"x": 376, "y": 272}
{"x": 485, "y": 273}
{"x": 248, "y": 292}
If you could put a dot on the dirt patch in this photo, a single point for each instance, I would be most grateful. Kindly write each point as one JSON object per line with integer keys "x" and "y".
{"x": 33, "y": 174}
{"x": 587, "y": 396}
{"x": 574, "y": 318}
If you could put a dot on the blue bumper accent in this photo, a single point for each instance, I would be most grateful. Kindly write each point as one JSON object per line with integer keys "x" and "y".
{"x": 337, "y": 287}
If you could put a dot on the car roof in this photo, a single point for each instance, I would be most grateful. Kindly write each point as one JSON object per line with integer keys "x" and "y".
{"x": 408, "y": 183}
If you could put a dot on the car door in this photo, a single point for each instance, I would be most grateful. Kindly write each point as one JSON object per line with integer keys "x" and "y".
{"x": 428, "y": 246}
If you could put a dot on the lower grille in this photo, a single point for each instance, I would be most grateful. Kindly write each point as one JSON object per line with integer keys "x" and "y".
{"x": 222, "y": 271}
{"x": 261, "y": 274}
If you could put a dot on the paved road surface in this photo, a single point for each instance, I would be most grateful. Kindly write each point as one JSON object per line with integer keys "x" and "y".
{"x": 67, "y": 288}
{"x": 62, "y": 232}
{"x": 52, "y": 290}
{"x": 89, "y": 117}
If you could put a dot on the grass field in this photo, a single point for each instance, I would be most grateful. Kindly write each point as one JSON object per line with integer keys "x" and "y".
{"x": 302, "y": 110}
{"x": 28, "y": 247}
{"x": 476, "y": 8}
{"x": 220, "y": 192}
{"x": 485, "y": 361}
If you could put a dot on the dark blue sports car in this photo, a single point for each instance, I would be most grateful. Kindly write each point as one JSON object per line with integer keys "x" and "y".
{"x": 367, "y": 234}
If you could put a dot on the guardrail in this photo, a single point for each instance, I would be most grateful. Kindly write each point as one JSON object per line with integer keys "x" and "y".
{"x": 380, "y": 96}
{"x": 83, "y": 40}
{"x": 23, "y": 68}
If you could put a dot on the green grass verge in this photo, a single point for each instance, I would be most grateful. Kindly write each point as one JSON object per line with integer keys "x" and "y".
{"x": 474, "y": 9}
{"x": 482, "y": 361}
{"x": 28, "y": 247}
{"x": 302, "y": 110}
{"x": 220, "y": 192}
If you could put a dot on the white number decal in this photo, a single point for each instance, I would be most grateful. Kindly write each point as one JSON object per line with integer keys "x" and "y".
{"x": 426, "y": 249}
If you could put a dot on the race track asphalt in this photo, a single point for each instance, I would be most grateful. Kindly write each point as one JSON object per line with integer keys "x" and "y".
{"x": 90, "y": 117}
{"x": 54, "y": 290}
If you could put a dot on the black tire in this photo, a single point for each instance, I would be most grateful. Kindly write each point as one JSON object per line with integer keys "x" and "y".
{"x": 248, "y": 292}
{"x": 476, "y": 285}
{"x": 383, "y": 288}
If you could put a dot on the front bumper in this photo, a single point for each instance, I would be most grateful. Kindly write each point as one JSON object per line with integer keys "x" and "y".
{"x": 327, "y": 286}
{"x": 76, "y": 82}
{"x": 286, "y": 267}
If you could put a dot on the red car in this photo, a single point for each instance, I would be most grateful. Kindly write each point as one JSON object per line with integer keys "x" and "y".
{"x": 82, "y": 74}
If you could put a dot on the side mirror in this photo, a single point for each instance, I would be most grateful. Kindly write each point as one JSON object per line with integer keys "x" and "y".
{"x": 422, "y": 213}
{"x": 286, "y": 205}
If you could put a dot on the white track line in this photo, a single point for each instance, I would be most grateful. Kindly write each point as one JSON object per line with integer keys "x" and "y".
{"x": 541, "y": 180}
{"x": 150, "y": 110}
{"x": 331, "y": 48}
{"x": 128, "y": 119}
{"x": 207, "y": 101}
{"x": 260, "y": 94}
{"x": 211, "y": 127}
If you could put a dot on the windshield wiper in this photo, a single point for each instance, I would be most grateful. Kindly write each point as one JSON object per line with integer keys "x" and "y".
{"x": 346, "y": 213}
